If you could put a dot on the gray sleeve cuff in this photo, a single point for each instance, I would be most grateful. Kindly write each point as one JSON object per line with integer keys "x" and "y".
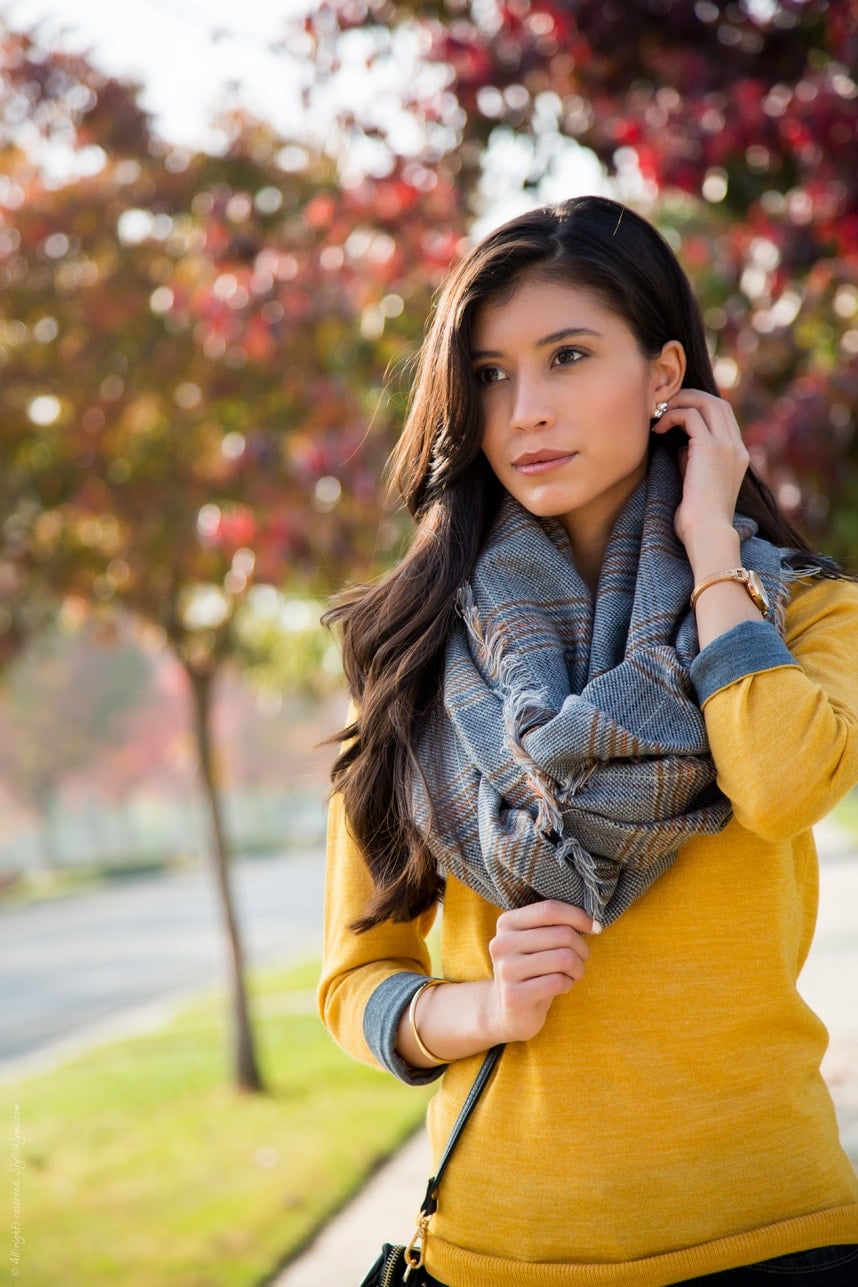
{"x": 748, "y": 648}
{"x": 381, "y": 1020}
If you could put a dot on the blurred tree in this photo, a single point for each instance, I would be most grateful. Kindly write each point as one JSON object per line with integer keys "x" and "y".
{"x": 740, "y": 118}
{"x": 192, "y": 352}
{"x": 65, "y": 701}
{"x": 90, "y": 445}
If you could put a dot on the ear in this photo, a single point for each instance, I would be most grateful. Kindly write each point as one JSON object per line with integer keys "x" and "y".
{"x": 668, "y": 370}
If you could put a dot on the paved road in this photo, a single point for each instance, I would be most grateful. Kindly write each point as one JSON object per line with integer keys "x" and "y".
{"x": 115, "y": 958}
{"x": 80, "y": 967}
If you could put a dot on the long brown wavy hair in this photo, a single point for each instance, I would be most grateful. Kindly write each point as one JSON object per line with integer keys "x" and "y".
{"x": 393, "y": 633}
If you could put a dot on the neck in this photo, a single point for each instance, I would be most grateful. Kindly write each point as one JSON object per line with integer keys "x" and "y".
{"x": 589, "y": 530}
{"x": 589, "y": 543}
{"x": 589, "y": 565}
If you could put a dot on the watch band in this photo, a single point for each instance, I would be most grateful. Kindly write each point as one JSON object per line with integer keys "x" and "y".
{"x": 742, "y": 576}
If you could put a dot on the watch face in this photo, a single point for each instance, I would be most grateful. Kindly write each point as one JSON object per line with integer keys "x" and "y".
{"x": 757, "y": 591}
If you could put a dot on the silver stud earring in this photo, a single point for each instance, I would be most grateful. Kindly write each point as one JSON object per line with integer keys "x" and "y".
{"x": 660, "y": 408}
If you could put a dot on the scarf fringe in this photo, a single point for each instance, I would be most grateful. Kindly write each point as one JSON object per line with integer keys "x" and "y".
{"x": 791, "y": 570}
{"x": 522, "y": 707}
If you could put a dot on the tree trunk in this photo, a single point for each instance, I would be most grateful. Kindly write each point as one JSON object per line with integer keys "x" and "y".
{"x": 46, "y": 799}
{"x": 246, "y": 1068}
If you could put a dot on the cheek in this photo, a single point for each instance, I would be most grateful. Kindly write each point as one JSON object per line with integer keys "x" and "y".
{"x": 631, "y": 399}
{"x": 490, "y": 438}
{"x": 495, "y": 462}
{"x": 629, "y": 411}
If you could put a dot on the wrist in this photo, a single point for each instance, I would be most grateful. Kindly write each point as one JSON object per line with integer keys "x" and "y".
{"x": 750, "y": 580}
{"x": 712, "y": 552}
{"x": 489, "y": 1027}
{"x": 449, "y": 1021}
{"x": 428, "y": 1056}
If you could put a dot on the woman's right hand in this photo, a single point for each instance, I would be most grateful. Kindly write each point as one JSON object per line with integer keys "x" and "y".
{"x": 538, "y": 953}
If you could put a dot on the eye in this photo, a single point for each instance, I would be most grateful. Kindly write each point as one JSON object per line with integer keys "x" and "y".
{"x": 568, "y": 356}
{"x": 487, "y": 375}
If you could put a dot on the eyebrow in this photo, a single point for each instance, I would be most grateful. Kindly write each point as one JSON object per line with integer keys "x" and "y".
{"x": 568, "y": 333}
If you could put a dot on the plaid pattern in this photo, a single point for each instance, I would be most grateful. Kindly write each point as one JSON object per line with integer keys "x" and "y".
{"x": 569, "y": 758}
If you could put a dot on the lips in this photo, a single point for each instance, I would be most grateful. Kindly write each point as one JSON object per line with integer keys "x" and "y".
{"x": 538, "y": 462}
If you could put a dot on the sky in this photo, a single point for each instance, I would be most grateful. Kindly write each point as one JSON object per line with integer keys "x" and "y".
{"x": 185, "y": 52}
{"x": 193, "y": 57}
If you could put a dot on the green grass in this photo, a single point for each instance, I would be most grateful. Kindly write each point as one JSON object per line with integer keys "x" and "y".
{"x": 141, "y": 1165}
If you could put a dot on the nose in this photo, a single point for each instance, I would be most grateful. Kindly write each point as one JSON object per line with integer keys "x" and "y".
{"x": 531, "y": 407}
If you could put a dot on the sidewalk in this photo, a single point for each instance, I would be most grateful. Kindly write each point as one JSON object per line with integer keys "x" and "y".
{"x": 384, "y": 1211}
{"x": 829, "y": 981}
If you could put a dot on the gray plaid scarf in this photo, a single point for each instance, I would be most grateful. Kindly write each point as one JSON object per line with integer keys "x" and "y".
{"x": 569, "y": 757}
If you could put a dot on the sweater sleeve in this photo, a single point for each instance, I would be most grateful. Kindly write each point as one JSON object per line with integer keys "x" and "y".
{"x": 782, "y": 715}
{"x": 367, "y": 979}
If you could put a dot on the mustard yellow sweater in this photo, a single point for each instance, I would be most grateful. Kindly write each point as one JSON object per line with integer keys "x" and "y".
{"x": 670, "y": 1119}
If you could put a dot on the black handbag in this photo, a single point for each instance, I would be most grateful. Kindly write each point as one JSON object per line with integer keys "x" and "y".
{"x": 402, "y": 1266}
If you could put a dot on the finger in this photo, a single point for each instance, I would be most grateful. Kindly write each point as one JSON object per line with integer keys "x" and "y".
{"x": 549, "y": 912}
{"x": 702, "y": 433}
{"x": 512, "y": 972}
{"x": 529, "y": 942}
{"x": 698, "y": 413}
{"x": 695, "y": 397}
{"x": 564, "y": 958}
{"x": 534, "y": 992}
{"x": 698, "y": 399}
{"x": 690, "y": 419}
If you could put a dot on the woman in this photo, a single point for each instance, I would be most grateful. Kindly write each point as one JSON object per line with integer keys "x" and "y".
{"x": 608, "y": 687}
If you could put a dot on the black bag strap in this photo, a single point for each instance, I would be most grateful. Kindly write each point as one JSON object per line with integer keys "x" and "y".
{"x": 430, "y": 1201}
{"x": 413, "y": 1253}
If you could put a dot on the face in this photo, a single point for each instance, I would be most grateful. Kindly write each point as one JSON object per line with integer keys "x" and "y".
{"x": 567, "y": 397}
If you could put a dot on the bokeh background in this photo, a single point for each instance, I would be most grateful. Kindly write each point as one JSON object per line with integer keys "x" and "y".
{"x": 221, "y": 229}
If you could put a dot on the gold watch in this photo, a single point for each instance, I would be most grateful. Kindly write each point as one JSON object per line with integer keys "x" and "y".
{"x": 744, "y": 576}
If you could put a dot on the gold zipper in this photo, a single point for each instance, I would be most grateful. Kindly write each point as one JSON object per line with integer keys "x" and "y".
{"x": 390, "y": 1267}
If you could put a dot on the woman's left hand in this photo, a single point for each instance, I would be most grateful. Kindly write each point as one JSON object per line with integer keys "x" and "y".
{"x": 712, "y": 466}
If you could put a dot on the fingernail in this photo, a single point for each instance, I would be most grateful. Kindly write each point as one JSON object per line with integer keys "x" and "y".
{"x": 597, "y": 929}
